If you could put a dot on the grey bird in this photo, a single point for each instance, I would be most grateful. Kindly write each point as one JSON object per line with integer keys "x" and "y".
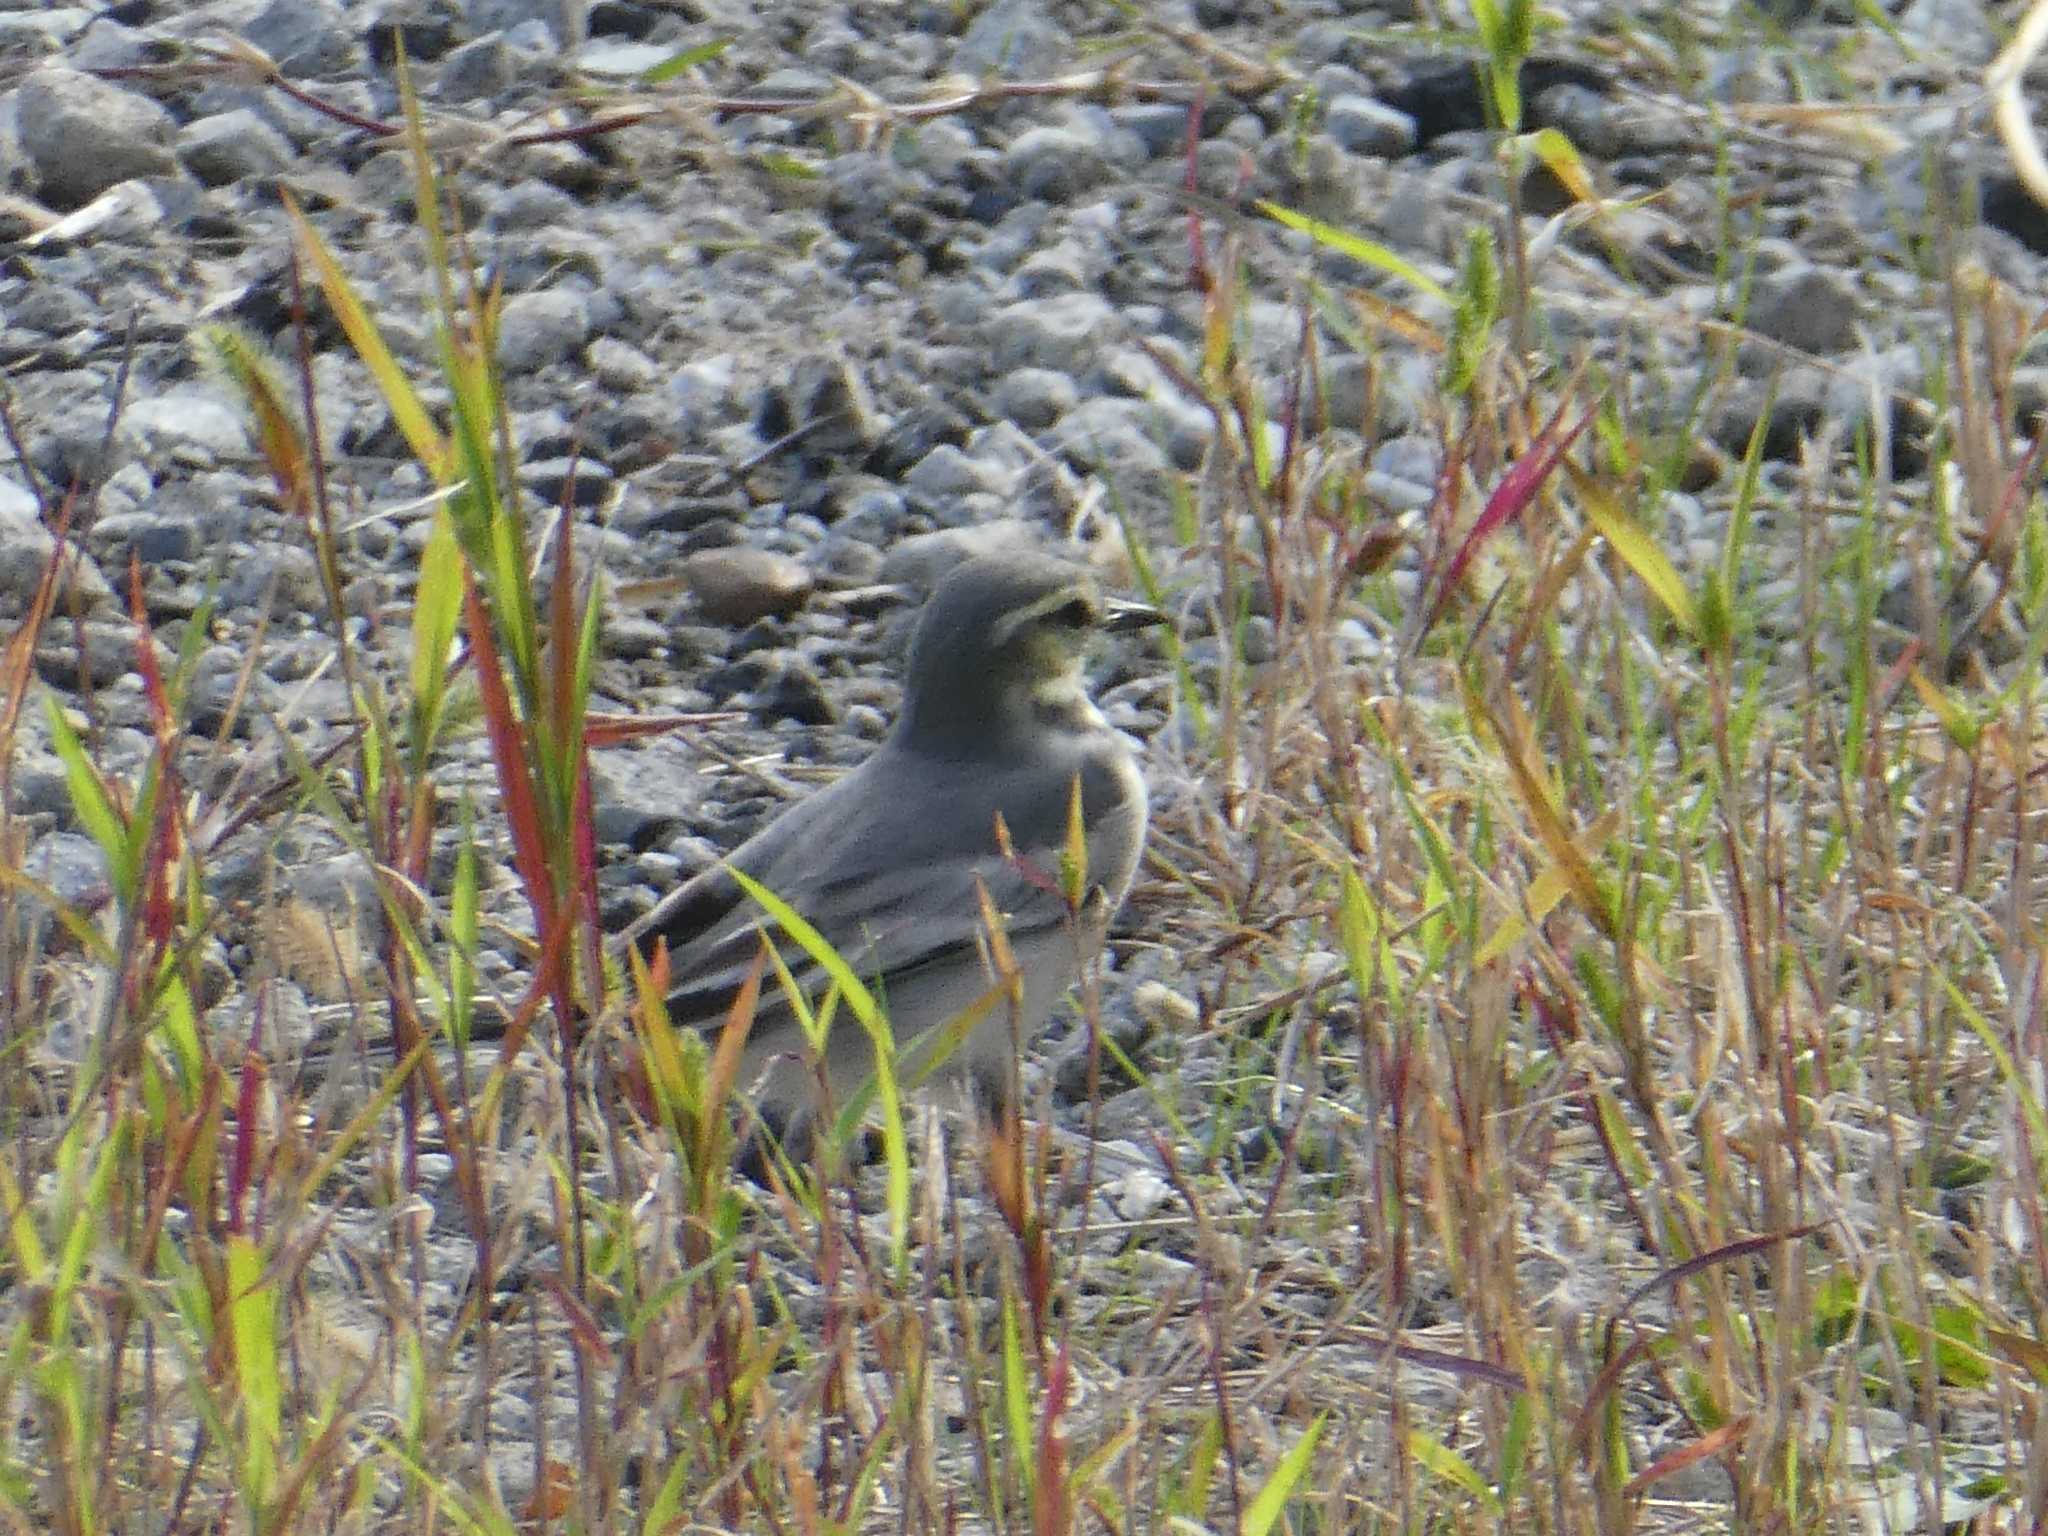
{"x": 890, "y": 862}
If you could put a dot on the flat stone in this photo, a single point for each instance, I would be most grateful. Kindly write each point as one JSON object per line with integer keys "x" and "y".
{"x": 738, "y": 585}
{"x": 192, "y": 421}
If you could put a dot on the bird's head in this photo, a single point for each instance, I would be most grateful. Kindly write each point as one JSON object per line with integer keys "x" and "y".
{"x": 998, "y": 649}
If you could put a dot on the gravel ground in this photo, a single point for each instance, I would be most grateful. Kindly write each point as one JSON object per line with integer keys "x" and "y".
{"x": 785, "y": 355}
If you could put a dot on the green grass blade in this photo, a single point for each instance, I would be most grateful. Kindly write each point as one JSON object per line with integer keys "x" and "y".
{"x": 1264, "y": 1511}
{"x": 1358, "y": 248}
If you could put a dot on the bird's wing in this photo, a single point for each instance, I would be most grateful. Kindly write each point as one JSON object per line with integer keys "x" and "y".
{"x": 890, "y": 893}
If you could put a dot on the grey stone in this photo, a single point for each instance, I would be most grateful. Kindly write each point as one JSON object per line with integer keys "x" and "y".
{"x": 1016, "y": 38}
{"x": 1161, "y": 126}
{"x": 536, "y": 329}
{"x": 109, "y": 45}
{"x": 478, "y": 70}
{"x": 305, "y": 37}
{"x": 1316, "y": 177}
{"x": 1062, "y": 268}
{"x": 1807, "y": 308}
{"x": 223, "y": 149}
{"x": 1034, "y": 398}
{"x": 1061, "y": 332}
{"x": 99, "y": 651}
{"x": 643, "y": 794}
{"x": 621, "y": 365}
{"x": 704, "y": 391}
{"x": 738, "y": 585}
{"x": 41, "y": 32}
{"x": 1957, "y": 29}
{"x": 151, "y": 537}
{"x": 618, "y": 60}
{"x": 192, "y": 423}
{"x": 1055, "y": 165}
{"x": 1368, "y": 127}
{"x": 82, "y": 136}
{"x": 282, "y": 580}
{"x": 1584, "y": 116}
{"x": 945, "y": 473}
{"x": 1124, "y": 436}
{"x": 29, "y": 549}
{"x": 919, "y": 561}
{"x": 73, "y": 868}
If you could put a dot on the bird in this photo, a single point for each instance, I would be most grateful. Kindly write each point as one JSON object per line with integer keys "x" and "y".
{"x": 972, "y": 791}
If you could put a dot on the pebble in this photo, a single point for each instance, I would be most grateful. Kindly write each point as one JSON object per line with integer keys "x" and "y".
{"x": 195, "y": 425}
{"x": 1808, "y": 309}
{"x": 304, "y": 37}
{"x": 229, "y": 146}
{"x": 479, "y": 69}
{"x": 1034, "y": 398}
{"x": 1368, "y": 127}
{"x": 945, "y": 473}
{"x": 736, "y": 586}
{"x": 940, "y": 320}
{"x": 919, "y": 561}
{"x": 1059, "y": 332}
{"x": 1015, "y": 39}
{"x": 1056, "y": 164}
{"x": 537, "y": 329}
{"x": 82, "y": 135}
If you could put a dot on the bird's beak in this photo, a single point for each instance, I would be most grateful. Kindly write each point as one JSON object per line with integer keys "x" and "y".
{"x": 1120, "y": 617}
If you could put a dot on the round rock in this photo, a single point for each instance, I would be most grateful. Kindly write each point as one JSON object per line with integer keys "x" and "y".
{"x": 737, "y": 585}
{"x": 229, "y": 146}
{"x": 83, "y": 135}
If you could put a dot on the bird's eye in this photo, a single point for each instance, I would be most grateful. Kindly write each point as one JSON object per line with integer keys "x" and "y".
{"x": 1077, "y": 614}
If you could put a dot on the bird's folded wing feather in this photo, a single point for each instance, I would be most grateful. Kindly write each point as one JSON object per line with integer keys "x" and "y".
{"x": 883, "y": 923}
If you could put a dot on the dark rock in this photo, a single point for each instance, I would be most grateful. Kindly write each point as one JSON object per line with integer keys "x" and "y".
{"x": 1796, "y": 410}
{"x": 150, "y": 537}
{"x": 827, "y": 401}
{"x": 796, "y": 692}
{"x": 583, "y": 481}
{"x": 915, "y": 434}
{"x": 424, "y": 29}
{"x": 1452, "y": 98}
